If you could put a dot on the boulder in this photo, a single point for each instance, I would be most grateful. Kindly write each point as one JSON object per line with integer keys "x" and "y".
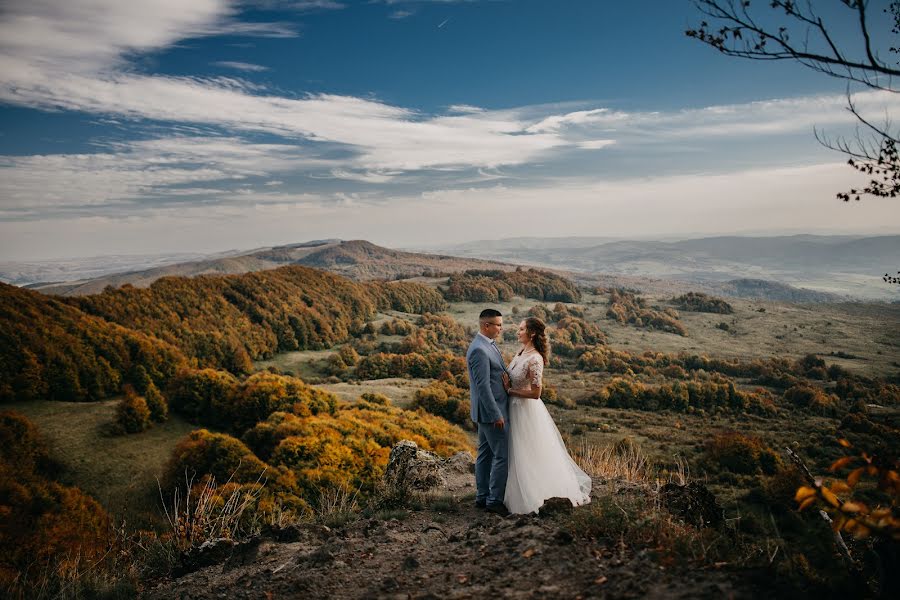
{"x": 555, "y": 506}
{"x": 411, "y": 469}
{"x": 693, "y": 503}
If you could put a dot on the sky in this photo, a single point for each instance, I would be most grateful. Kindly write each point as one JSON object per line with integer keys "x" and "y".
{"x": 167, "y": 126}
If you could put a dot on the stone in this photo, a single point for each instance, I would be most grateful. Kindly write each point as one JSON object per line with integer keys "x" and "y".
{"x": 555, "y": 506}
{"x": 410, "y": 469}
{"x": 693, "y": 503}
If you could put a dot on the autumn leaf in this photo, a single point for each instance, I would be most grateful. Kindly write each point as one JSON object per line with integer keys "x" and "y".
{"x": 840, "y": 463}
{"x": 829, "y": 497}
{"x": 807, "y": 502}
{"x": 803, "y": 493}
{"x": 839, "y": 487}
{"x": 851, "y": 506}
{"x": 853, "y": 478}
{"x": 844, "y": 443}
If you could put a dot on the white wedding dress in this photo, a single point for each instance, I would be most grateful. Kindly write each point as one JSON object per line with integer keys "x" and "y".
{"x": 539, "y": 464}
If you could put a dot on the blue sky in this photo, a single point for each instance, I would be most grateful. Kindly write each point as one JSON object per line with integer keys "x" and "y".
{"x": 165, "y": 126}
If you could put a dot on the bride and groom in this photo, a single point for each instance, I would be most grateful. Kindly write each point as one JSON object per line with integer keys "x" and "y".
{"x": 522, "y": 460}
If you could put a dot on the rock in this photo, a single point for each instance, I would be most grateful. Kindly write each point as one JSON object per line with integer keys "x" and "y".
{"x": 410, "y": 469}
{"x": 693, "y": 503}
{"x": 296, "y": 533}
{"x": 555, "y": 506}
{"x": 243, "y": 553}
{"x": 210, "y": 552}
{"x": 461, "y": 462}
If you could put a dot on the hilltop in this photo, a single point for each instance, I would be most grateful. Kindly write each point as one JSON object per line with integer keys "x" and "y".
{"x": 438, "y": 545}
{"x": 356, "y": 259}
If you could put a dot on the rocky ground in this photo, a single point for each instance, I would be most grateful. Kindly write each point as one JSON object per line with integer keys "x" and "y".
{"x": 444, "y": 548}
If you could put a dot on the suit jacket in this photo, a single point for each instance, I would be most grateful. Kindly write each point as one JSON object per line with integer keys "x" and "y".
{"x": 489, "y": 400}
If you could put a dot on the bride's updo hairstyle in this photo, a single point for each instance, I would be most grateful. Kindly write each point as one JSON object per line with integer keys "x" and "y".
{"x": 536, "y": 327}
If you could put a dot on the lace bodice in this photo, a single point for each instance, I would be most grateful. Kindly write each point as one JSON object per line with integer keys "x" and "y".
{"x": 526, "y": 370}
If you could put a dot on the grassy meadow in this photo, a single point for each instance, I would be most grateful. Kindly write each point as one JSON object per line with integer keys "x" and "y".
{"x": 694, "y": 444}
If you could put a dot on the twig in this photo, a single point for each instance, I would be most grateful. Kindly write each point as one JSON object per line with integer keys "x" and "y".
{"x": 838, "y": 539}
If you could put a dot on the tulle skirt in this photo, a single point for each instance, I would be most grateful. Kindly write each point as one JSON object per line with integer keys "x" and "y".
{"x": 539, "y": 464}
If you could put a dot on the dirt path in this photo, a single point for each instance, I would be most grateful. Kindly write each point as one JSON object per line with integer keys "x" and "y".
{"x": 445, "y": 551}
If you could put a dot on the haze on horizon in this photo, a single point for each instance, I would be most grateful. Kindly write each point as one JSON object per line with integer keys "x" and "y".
{"x": 161, "y": 128}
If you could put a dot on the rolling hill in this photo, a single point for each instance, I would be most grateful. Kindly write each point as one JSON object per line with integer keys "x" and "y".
{"x": 357, "y": 259}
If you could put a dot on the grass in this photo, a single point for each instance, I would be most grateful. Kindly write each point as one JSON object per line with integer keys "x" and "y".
{"x": 401, "y": 391}
{"x": 119, "y": 471}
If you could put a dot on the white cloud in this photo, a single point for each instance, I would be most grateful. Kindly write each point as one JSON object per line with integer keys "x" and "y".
{"x": 763, "y": 200}
{"x": 240, "y": 66}
{"x": 366, "y": 177}
{"x": 464, "y": 109}
{"x": 139, "y": 170}
{"x": 766, "y": 117}
{"x": 595, "y": 144}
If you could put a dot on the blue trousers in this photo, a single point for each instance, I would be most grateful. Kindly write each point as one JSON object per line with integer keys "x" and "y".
{"x": 491, "y": 464}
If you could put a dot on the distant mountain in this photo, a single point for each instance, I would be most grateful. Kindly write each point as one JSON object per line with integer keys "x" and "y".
{"x": 357, "y": 259}
{"x": 843, "y": 265}
{"x": 772, "y": 290}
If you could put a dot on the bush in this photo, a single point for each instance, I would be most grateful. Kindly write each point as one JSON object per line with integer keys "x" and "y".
{"x": 350, "y": 448}
{"x": 132, "y": 414}
{"x": 697, "y": 302}
{"x": 47, "y": 530}
{"x": 193, "y": 393}
{"x": 156, "y": 403}
{"x": 744, "y": 454}
{"x": 493, "y": 286}
{"x": 628, "y": 308}
{"x": 810, "y": 397}
{"x": 445, "y": 400}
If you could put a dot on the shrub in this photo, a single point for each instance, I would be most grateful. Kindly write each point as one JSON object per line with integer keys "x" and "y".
{"x": 193, "y": 393}
{"x": 445, "y": 400}
{"x": 156, "y": 403}
{"x": 48, "y": 529}
{"x": 810, "y": 397}
{"x": 743, "y": 454}
{"x": 628, "y": 308}
{"x": 374, "y": 398}
{"x": 261, "y": 394}
{"x": 348, "y": 449}
{"x": 132, "y": 414}
{"x": 492, "y": 286}
{"x": 698, "y": 302}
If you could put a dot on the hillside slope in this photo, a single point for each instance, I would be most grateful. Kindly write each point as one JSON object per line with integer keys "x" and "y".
{"x": 357, "y": 259}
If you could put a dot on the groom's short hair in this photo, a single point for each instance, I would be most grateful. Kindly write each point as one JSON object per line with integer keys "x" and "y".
{"x": 489, "y": 313}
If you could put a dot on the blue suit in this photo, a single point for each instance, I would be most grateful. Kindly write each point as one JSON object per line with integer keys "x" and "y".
{"x": 489, "y": 402}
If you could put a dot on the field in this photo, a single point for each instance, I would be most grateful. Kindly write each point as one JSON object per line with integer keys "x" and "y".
{"x": 121, "y": 471}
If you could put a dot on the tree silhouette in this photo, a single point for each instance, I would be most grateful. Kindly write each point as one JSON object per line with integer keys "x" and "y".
{"x": 800, "y": 34}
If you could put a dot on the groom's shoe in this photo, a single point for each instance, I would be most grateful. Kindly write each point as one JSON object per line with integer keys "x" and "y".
{"x": 497, "y": 509}
{"x": 480, "y": 504}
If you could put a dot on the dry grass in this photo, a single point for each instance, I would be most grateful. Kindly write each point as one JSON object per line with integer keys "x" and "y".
{"x": 201, "y": 513}
{"x": 119, "y": 471}
{"x": 608, "y": 462}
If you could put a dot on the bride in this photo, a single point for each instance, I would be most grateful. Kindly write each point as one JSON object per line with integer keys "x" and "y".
{"x": 539, "y": 465}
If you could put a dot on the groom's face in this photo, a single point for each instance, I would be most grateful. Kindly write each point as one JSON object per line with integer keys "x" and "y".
{"x": 492, "y": 327}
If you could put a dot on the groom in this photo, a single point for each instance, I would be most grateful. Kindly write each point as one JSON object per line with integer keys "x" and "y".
{"x": 489, "y": 411}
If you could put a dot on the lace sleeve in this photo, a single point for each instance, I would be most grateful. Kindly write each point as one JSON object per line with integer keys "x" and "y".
{"x": 536, "y": 370}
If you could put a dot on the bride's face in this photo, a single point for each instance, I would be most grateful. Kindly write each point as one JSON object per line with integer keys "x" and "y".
{"x": 524, "y": 336}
